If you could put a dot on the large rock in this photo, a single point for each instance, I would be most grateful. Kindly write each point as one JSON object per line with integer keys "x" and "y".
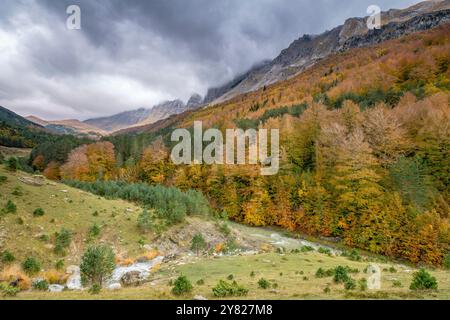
{"x": 74, "y": 281}
{"x": 114, "y": 287}
{"x": 55, "y": 288}
{"x": 131, "y": 279}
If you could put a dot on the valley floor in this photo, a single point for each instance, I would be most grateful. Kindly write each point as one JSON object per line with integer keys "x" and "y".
{"x": 290, "y": 272}
{"x": 293, "y": 274}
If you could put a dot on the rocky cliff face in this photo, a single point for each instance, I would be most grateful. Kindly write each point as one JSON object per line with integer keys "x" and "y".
{"x": 194, "y": 102}
{"x": 163, "y": 110}
{"x": 309, "y": 49}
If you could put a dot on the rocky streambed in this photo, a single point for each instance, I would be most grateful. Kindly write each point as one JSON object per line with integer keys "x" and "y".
{"x": 130, "y": 275}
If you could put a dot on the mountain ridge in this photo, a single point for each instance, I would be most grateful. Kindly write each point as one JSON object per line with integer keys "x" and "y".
{"x": 308, "y": 49}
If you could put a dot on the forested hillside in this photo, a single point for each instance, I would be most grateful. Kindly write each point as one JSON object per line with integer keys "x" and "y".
{"x": 365, "y": 151}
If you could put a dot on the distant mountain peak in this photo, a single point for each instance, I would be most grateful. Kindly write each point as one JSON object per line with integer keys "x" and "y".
{"x": 309, "y": 49}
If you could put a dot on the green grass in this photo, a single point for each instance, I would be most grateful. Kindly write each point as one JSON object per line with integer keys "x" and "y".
{"x": 73, "y": 210}
{"x": 291, "y": 275}
{"x": 291, "y": 285}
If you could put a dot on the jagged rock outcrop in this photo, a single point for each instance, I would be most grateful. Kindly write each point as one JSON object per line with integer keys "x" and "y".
{"x": 194, "y": 102}
{"x": 163, "y": 111}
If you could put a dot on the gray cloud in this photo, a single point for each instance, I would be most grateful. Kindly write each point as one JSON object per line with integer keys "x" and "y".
{"x": 132, "y": 53}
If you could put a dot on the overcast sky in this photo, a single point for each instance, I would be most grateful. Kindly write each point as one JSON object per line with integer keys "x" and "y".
{"x": 137, "y": 53}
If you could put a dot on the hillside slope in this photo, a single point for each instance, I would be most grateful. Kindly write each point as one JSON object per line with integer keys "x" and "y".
{"x": 309, "y": 49}
{"x": 70, "y": 126}
{"x": 16, "y": 131}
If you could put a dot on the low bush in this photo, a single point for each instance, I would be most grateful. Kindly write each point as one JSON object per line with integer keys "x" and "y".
{"x": 181, "y": 286}
{"x": 7, "y": 257}
{"x": 62, "y": 241}
{"x": 227, "y": 289}
{"x": 10, "y": 207}
{"x": 39, "y": 212}
{"x": 8, "y": 291}
{"x": 446, "y": 262}
{"x": 341, "y": 274}
{"x": 324, "y": 250}
{"x": 322, "y": 273}
{"x": 306, "y": 249}
{"x": 94, "y": 231}
{"x": 422, "y": 280}
{"x": 350, "y": 284}
{"x": 362, "y": 284}
{"x": 40, "y": 285}
{"x": 31, "y": 266}
{"x": 3, "y": 179}
{"x": 263, "y": 283}
{"x": 145, "y": 221}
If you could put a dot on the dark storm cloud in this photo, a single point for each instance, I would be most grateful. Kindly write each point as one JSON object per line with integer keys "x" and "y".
{"x": 132, "y": 53}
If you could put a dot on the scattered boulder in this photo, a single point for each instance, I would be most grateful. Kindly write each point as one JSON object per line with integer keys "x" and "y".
{"x": 32, "y": 181}
{"x": 200, "y": 298}
{"x": 74, "y": 281}
{"x": 114, "y": 287}
{"x": 55, "y": 288}
{"x": 131, "y": 279}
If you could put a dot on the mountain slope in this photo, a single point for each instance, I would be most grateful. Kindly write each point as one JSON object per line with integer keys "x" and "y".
{"x": 308, "y": 50}
{"x": 16, "y": 131}
{"x": 119, "y": 121}
{"x": 71, "y": 126}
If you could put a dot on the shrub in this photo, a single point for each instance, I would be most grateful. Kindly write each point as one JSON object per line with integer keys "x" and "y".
{"x": 94, "y": 231}
{"x": 13, "y": 164}
{"x": 362, "y": 284}
{"x": 145, "y": 221}
{"x": 322, "y": 273}
{"x": 31, "y": 266}
{"x": 181, "y": 286}
{"x": 446, "y": 262}
{"x": 198, "y": 243}
{"x": 40, "y": 285}
{"x": 62, "y": 241}
{"x": 39, "y": 212}
{"x": 59, "y": 265}
{"x": 350, "y": 284}
{"x": 226, "y": 289}
{"x": 230, "y": 277}
{"x": 324, "y": 250}
{"x": 10, "y": 207}
{"x": 397, "y": 284}
{"x": 18, "y": 191}
{"x": 422, "y": 280}
{"x": 97, "y": 264}
{"x": 3, "y": 179}
{"x": 55, "y": 276}
{"x": 225, "y": 229}
{"x": 306, "y": 249}
{"x": 95, "y": 289}
{"x": 263, "y": 284}
{"x": 7, "y": 257}
{"x": 354, "y": 255}
{"x": 200, "y": 282}
{"x": 8, "y": 291}
{"x": 340, "y": 274}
